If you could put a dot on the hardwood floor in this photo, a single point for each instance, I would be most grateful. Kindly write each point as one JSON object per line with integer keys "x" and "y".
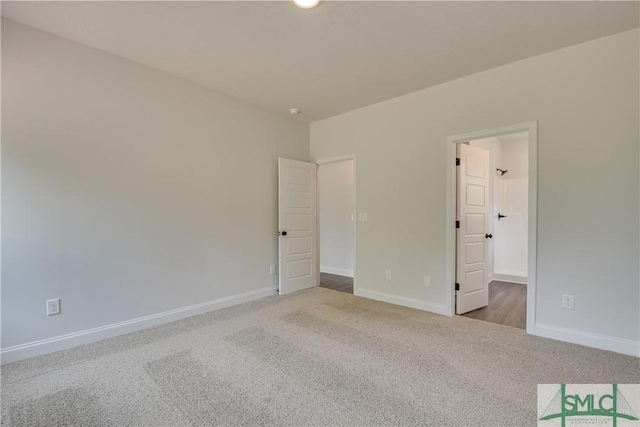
{"x": 337, "y": 283}
{"x": 507, "y": 301}
{"x": 507, "y": 305}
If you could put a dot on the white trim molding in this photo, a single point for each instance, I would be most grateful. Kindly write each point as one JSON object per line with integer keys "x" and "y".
{"x": 337, "y": 271}
{"x": 49, "y": 345}
{"x": 603, "y": 342}
{"x": 406, "y": 302}
{"x": 450, "y": 257}
{"x": 521, "y": 280}
{"x": 336, "y": 159}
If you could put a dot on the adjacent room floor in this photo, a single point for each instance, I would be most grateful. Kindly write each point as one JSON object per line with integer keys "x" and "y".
{"x": 507, "y": 305}
{"x": 337, "y": 283}
{"x": 315, "y": 357}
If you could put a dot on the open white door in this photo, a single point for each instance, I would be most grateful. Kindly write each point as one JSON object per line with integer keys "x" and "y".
{"x": 473, "y": 216}
{"x": 297, "y": 225}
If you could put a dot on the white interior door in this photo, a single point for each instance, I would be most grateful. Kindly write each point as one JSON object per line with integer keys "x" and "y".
{"x": 297, "y": 225}
{"x": 472, "y": 249}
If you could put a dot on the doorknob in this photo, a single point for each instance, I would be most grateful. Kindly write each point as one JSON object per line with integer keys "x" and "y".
{"x": 501, "y": 216}
{"x": 488, "y": 236}
{"x": 282, "y": 233}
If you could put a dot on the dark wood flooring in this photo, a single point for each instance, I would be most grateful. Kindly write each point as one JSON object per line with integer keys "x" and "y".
{"x": 507, "y": 305}
{"x": 337, "y": 283}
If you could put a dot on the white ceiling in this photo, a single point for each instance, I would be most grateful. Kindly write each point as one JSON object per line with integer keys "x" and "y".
{"x": 335, "y": 58}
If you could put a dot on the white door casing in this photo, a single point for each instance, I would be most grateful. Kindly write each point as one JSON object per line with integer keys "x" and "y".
{"x": 451, "y": 242}
{"x": 473, "y": 213}
{"x": 298, "y": 257}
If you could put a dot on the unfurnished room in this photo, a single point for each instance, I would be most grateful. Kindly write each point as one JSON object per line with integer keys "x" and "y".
{"x": 320, "y": 213}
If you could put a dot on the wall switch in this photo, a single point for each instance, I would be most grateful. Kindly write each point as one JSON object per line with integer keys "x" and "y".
{"x": 362, "y": 217}
{"x": 567, "y": 301}
{"x": 53, "y": 306}
{"x": 387, "y": 274}
{"x": 273, "y": 269}
{"x": 353, "y": 217}
{"x": 426, "y": 281}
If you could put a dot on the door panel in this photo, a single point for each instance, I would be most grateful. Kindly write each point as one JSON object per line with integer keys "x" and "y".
{"x": 297, "y": 225}
{"x": 475, "y": 223}
{"x": 475, "y": 195}
{"x": 301, "y": 268}
{"x": 471, "y": 244}
{"x": 475, "y": 166}
{"x": 474, "y": 252}
{"x": 474, "y": 281}
{"x": 298, "y": 199}
{"x": 298, "y": 245}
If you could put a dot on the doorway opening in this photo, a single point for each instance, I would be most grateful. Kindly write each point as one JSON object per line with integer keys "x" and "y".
{"x": 491, "y": 249}
{"x": 492, "y": 212}
{"x": 336, "y": 224}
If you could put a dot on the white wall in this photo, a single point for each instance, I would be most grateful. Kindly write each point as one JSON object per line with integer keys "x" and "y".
{"x": 336, "y": 205}
{"x": 511, "y": 233}
{"x": 127, "y": 192}
{"x": 511, "y": 192}
{"x": 515, "y": 156}
{"x": 585, "y": 98}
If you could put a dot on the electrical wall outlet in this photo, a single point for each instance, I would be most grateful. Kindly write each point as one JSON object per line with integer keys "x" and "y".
{"x": 53, "y": 306}
{"x": 426, "y": 281}
{"x": 387, "y": 274}
{"x": 273, "y": 269}
{"x": 567, "y": 301}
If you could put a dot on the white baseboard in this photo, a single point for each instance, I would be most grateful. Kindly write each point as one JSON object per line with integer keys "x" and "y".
{"x": 522, "y": 280}
{"x": 404, "y": 301}
{"x": 49, "y": 345}
{"x": 603, "y": 342}
{"x": 337, "y": 271}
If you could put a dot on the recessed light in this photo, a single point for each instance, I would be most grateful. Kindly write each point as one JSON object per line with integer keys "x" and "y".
{"x": 294, "y": 111}
{"x": 306, "y": 4}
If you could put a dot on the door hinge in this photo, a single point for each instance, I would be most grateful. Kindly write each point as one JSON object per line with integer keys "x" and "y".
{"x": 457, "y": 224}
{"x": 457, "y": 286}
{"x": 457, "y": 161}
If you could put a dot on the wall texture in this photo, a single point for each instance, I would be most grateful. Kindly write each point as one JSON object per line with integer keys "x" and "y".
{"x": 585, "y": 99}
{"x": 336, "y": 204}
{"x": 127, "y": 192}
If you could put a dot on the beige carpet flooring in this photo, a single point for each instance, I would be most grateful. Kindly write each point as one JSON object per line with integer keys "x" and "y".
{"x": 317, "y": 357}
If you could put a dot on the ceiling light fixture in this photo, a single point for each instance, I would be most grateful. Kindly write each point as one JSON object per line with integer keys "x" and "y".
{"x": 306, "y": 4}
{"x": 294, "y": 111}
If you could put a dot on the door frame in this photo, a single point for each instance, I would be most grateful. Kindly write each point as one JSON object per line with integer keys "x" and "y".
{"x": 338, "y": 159}
{"x": 451, "y": 182}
